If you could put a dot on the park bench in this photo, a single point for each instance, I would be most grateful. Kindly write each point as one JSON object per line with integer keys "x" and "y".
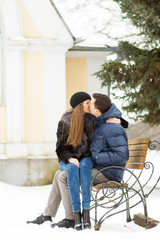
{"x": 111, "y": 198}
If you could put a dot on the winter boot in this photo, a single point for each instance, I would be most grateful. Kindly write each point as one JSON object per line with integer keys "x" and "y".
{"x": 86, "y": 218}
{"x": 41, "y": 219}
{"x": 78, "y": 222}
{"x": 65, "y": 223}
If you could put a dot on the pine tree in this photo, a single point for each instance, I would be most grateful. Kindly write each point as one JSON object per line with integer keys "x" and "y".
{"x": 139, "y": 75}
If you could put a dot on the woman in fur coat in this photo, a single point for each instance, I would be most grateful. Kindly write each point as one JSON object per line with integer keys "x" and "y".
{"x": 74, "y": 135}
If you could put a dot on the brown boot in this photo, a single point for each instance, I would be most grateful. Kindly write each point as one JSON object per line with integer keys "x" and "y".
{"x": 78, "y": 222}
{"x": 86, "y": 219}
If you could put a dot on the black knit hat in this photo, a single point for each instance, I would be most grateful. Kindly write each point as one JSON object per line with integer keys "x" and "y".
{"x": 78, "y": 98}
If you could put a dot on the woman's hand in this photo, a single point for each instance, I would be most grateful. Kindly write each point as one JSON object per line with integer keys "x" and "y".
{"x": 113, "y": 120}
{"x": 74, "y": 161}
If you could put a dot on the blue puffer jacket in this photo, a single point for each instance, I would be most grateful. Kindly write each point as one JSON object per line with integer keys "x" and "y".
{"x": 110, "y": 145}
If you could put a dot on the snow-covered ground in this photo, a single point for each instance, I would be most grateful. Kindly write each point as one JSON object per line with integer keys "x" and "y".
{"x": 19, "y": 204}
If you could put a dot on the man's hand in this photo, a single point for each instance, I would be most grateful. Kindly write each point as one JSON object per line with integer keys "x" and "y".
{"x": 113, "y": 120}
{"x": 74, "y": 161}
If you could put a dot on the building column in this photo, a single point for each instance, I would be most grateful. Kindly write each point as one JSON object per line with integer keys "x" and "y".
{"x": 15, "y": 146}
{"x": 54, "y": 95}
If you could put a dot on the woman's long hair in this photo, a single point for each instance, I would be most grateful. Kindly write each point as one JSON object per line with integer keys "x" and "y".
{"x": 76, "y": 126}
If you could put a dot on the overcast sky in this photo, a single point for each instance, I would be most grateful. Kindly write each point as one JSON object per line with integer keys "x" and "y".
{"x": 99, "y": 22}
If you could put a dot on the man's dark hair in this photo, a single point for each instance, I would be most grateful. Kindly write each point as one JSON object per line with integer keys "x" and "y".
{"x": 102, "y": 102}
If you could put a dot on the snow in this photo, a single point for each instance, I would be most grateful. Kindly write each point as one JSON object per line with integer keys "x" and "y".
{"x": 19, "y": 204}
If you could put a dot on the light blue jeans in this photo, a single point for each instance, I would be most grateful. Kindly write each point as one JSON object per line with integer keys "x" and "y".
{"x": 79, "y": 177}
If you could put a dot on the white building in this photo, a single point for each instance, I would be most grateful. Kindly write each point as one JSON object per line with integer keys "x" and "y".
{"x": 40, "y": 68}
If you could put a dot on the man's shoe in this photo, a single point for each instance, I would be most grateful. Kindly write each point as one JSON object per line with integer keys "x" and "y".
{"x": 41, "y": 219}
{"x": 65, "y": 223}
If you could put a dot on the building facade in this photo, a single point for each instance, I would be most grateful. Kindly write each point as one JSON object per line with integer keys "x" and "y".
{"x": 39, "y": 70}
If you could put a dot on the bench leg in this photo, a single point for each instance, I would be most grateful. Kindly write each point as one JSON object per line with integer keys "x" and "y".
{"x": 95, "y": 219}
{"x": 127, "y": 207}
{"x": 97, "y": 223}
{"x": 97, "y": 226}
{"x": 145, "y": 213}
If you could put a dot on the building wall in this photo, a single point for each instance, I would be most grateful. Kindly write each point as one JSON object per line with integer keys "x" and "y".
{"x": 35, "y": 43}
{"x": 29, "y": 30}
{"x": 39, "y": 77}
{"x": 3, "y": 128}
{"x": 76, "y": 76}
{"x": 80, "y": 67}
{"x": 35, "y": 76}
{"x": 33, "y": 97}
{"x": 94, "y": 65}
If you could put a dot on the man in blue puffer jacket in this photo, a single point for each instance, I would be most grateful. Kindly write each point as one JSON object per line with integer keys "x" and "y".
{"x": 110, "y": 144}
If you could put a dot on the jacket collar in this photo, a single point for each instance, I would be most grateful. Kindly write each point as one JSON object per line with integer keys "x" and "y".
{"x": 113, "y": 111}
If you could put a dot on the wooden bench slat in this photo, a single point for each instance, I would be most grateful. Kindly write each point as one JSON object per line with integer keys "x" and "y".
{"x": 138, "y": 153}
{"x": 110, "y": 185}
{"x": 136, "y": 147}
{"x": 139, "y": 166}
{"x": 138, "y": 141}
{"x": 137, "y": 159}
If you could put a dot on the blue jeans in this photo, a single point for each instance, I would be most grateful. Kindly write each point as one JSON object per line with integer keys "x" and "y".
{"x": 76, "y": 177}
